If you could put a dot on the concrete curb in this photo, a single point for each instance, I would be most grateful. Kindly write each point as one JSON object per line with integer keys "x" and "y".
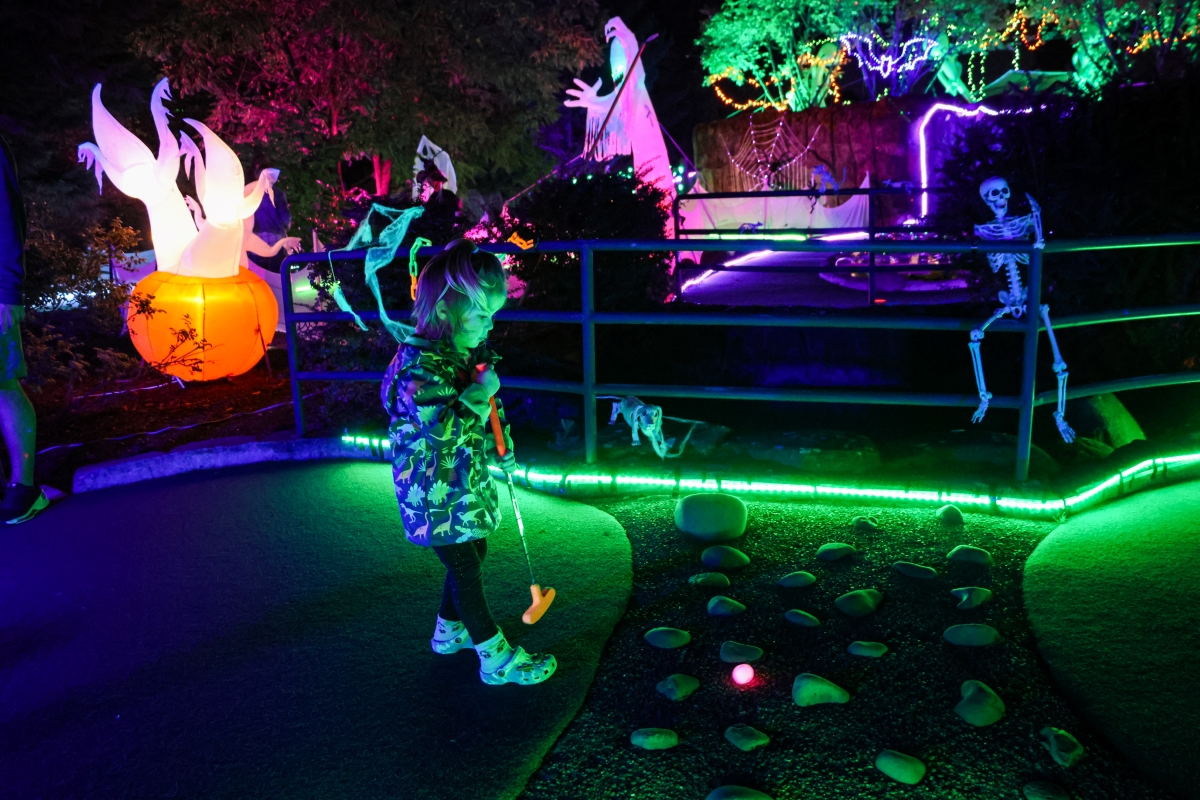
{"x": 213, "y": 454}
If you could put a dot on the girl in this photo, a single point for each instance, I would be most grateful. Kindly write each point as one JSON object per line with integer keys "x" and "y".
{"x": 437, "y": 390}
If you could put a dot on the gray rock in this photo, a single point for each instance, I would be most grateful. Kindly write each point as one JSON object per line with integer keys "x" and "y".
{"x": 813, "y": 690}
{"x": 914, "y": 570}
{"x": 967, "y": 554}
{"x": 972, "y": 635}
{"x": 721, "y": 556}
{"x": 654, "y": 738}
{"x": 950, "y": 515}
{"x": 737, "y": 653}
{"x": 797, "y": 580}
{"x": 717, "y": 579}
{"x": 667, "y": 638}
{"x": 859, "y": 603}
{"x": 971, "y": 596}
{"x": 1040, "y": 790}
{"x": 745, "y": 738}
{"x": 722, "y": 606}
{"x": 711, "y": 517}
{"x": 973, "y": 453}
{"x": 1104, "y": 417}
{"x": 706, "y": 437}
{"x": 801, "y": 618}
{"x": 1064, "y": 748}
{"x": 900, "y": 767}
{"x": 823, "y": 452}
{"x": 867, "y": 649}
{"x": 833, "y": 551}
{"x": 979, "y": 706}
{"x": 866, "y": 524}
{"x": 677, "y": 686}
{"x": 732, "y": 792}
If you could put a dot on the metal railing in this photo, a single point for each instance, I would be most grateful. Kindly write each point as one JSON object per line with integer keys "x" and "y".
{"x": 1030, "y": 326}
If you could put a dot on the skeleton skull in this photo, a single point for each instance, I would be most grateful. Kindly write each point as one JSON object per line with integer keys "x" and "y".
{"x": 995, "y": 193}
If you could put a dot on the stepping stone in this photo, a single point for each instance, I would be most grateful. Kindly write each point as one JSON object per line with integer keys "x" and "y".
{"x": 972, "y": 635}
{"x": 866, "y": 524}
{"x": 979, "y": 706}
{"x": 654, "y": 738}
{"x": 867, "y": 649}
{"x": 950, "y": 515}
{"x": 900, "y": 767}
{"x": 711, "y": 517}
{"x": 667, "y": 638}
{"x": 677, "y": 686}
{"x": 1040, "y": 790}
{"x": 797, "y": 580}
{"x": 801, "y": 618}
{"x": 813, "y": 690}
{"x": 722, "y": 606}
{"x": 1064, "y": 748}
{"x": 833, "y": 551}
{"x": 914, "y": 570}
{"x": 972, "y": 596}
{"x": 736, "y": 793}
{"x": 745, "y": 738}
{"x": 737, "y": 653}
{"x": 859, "y": 603}
{"x": 721, "y": 556}
{"x": 970, "y": 555}
{"x": 717, "y": 579}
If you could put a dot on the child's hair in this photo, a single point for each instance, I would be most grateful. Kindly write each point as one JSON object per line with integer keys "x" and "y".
{"x": 462, "y": 276}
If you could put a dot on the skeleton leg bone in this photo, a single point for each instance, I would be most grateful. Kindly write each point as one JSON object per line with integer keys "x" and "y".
{"x": 1060, "y": 372}
{"x": 977, "y": 361}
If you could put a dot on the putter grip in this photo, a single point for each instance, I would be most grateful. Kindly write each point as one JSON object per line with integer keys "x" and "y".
{"x": 497, "y": 431}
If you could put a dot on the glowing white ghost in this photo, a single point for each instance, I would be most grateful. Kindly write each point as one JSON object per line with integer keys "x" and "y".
{"x": 633, "y": 127}
{"x": 135, "y": 171}
{"x": 205, "y": 239}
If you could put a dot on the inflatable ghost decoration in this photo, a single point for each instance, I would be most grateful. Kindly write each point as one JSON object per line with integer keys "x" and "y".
{"x": 633, "y": 127}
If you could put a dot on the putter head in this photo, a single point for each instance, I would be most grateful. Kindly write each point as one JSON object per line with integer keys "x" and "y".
{"x": 541, "y": 602}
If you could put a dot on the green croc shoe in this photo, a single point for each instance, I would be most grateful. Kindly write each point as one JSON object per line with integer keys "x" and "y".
{"x": 523, "y": 668}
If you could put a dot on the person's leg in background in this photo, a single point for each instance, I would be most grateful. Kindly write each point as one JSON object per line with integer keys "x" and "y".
{"x": 18, "y": 424}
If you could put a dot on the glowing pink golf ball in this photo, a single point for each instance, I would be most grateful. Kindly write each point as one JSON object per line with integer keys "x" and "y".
{"x": 743, "y": 674}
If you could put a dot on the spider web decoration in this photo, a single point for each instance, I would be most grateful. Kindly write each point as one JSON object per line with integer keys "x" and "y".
{"x": 770, "y": 157}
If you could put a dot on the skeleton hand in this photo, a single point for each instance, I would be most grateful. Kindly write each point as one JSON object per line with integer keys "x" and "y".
{"x": 585, "y": 96}
{"x": 291, "y": 244}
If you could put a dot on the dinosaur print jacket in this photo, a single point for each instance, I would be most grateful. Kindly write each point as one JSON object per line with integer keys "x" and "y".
{"x": 440, "y": 447}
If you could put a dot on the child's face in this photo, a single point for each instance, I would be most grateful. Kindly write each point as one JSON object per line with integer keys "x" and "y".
{"x": 476, "y": 322}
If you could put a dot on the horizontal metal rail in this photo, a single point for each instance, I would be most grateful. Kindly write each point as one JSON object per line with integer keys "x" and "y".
{"x": 588, "y": 318}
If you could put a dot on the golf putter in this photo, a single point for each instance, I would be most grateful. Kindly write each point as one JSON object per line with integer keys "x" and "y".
{"x": 541, "y": 600}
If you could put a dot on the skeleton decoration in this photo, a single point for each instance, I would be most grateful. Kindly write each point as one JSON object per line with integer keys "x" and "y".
{"x": 644, "y": 418}
{"x": 995, "y": 192}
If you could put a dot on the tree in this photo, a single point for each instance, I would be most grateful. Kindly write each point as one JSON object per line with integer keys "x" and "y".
{"x": 309, "y": 83}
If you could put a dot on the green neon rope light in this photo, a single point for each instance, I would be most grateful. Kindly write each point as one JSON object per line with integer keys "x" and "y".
{"x": 1017, "y": 506}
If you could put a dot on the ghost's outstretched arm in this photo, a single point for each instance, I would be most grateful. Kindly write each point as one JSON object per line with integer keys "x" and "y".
{"x": 251, "y": 202}
{"x": 588, "y": 97}
{"x": 91, "y": 155}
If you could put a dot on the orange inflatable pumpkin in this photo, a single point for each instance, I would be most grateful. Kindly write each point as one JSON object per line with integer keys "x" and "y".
{"x": 235, "y": 315}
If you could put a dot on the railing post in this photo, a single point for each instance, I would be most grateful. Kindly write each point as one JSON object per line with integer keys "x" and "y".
{"x": 588, "y": 298}
{"x": 871, "y": 238}
{"x": 1033, "y": 321}
{"x": 289, "y": 327}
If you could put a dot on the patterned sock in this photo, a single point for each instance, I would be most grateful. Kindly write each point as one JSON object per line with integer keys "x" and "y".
{"x": 447, "y": 629}
{"x": 494, "y": 653}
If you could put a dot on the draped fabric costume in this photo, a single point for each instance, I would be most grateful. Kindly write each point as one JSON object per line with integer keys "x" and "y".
{"x": 440, "y": 447}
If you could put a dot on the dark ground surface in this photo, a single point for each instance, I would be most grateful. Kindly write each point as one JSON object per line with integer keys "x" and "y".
{"x": 1114, "y": 598}
{"x": 264, "y": 632}
{"x": 903, "y": 701}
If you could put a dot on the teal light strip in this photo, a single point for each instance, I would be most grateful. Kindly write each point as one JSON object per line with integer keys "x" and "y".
{"x": 1133, "y": 477}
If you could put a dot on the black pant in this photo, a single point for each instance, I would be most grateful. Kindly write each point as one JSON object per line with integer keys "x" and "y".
{"x": 462, "y": 595}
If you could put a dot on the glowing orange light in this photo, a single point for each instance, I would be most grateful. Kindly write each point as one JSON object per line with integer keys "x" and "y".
{"x": 236, "y": 316}
{"x": 743, "y": 674}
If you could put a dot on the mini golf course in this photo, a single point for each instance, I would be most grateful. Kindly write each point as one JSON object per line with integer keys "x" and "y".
{"x": 262, "y": 631}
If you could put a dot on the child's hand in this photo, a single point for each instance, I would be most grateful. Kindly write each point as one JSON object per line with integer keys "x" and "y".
{"x": 508, "y": 462}
{"x": 488, "y": 379}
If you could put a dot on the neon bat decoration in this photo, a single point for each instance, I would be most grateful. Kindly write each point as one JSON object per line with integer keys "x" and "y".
{"x": 913, "y": 53}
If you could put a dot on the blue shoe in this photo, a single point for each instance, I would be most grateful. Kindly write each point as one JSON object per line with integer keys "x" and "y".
{"x": 523, "y": 668}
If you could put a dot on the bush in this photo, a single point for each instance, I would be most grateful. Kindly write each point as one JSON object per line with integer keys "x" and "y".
{"x": 608, "y": 205}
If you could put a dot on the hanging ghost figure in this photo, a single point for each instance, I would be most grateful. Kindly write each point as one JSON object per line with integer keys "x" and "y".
{"x": 996, "y": 193}
{"x": 632, "y": 127}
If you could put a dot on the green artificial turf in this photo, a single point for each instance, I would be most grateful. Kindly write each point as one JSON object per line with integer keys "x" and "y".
{"x": 264, "y": 632}
{"x": 1114, "y": 599}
